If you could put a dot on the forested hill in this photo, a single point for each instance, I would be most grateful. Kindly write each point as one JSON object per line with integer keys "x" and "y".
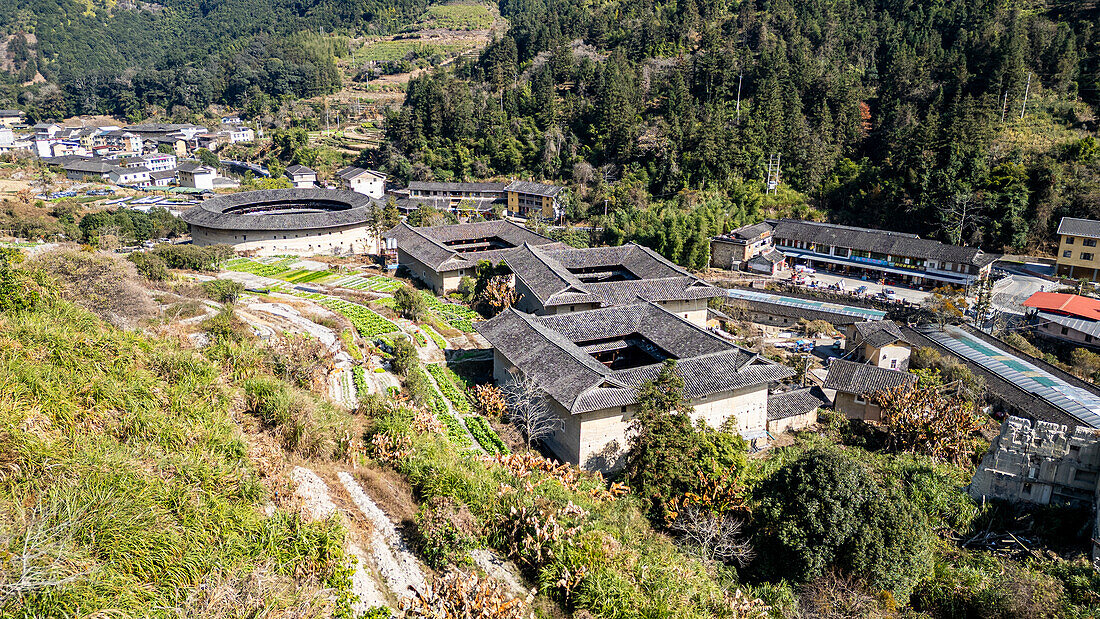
{"x": 885, "y": 112}
{"x": 108, "y": 58}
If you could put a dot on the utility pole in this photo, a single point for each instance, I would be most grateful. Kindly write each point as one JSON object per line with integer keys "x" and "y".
{"x": 1004, "y": 107}
{"x": 739, "y": 77}
{"x": 1026, "y": 91}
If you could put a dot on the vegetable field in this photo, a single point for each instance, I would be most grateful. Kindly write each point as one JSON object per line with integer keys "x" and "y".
{"x": 485, "y": 435}
{"x": 368, "y": 323}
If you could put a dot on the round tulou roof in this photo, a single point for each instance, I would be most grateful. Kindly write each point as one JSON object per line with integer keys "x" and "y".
{"x": 282, "y": 209}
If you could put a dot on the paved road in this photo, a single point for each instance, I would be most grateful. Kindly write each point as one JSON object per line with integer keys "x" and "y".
{"x": 1013, "y": 290}
{"x": 851, "y": 283}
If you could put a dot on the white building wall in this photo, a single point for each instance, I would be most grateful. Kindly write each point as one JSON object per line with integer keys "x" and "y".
{"x": 356, "y": 239}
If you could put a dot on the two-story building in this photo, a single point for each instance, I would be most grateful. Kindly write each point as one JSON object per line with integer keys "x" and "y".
{"x": 455, "y": 196}
{"x": 367, "y": 182}
{"x": 135, "y": 176}
{"x": 11, "y": 118}
{"x": 196, "y": 175}
{"x": 1067, "y": 317}
{"x": 734, "y": 250}
{"x": 528, "y": 199}
{"x": 878, "y": 342}
{"x": 301, "y": 177}
{"x": 159, "y": 162}
{"x": 1078, "y": 257}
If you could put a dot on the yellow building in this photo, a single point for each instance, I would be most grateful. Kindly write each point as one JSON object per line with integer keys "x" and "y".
{"x": 1078, "y": 255}
{"x": 527, "y": 199}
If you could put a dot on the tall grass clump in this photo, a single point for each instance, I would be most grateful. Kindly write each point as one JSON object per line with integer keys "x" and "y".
{"x": 125, "y": 484}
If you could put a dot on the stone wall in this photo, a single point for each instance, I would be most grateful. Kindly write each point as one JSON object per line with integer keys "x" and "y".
{"x": 357, "y": 239}
{"x": 1043, "y": 463}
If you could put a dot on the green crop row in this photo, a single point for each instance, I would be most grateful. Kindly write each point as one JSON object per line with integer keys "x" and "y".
{"x": 436, "y": 337}
{"x": 455, "y": 432}
{"x": 368, "y": 323}
{"x": 349, "y": 342}
{"x": 484, "y": 434}
{"x": 449, "y": 384}
{"x": 360, "y": 380}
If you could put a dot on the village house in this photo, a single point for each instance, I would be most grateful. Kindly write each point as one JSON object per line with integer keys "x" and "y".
{"x": 590, "y": 364}
{"x": 11, "y": 118}
{"x": 440, "y": 256}
{"x": 137, "y": 176}
{"x": 854, "y": 383}
{"x": 878, "y": 342}
{"x": 557, "y": 280}
{"x": 453, "y": 196}
{"x": 1066, "y": 317}
{"x": 159, "y": 162}
{"x": 360, "y": 180}
{"x": 196, "y": 175}
{"x": 300, "y": 176}
{"x": 527, "y": 199}
{"x": 857, "y": 252}
{"x": 734, "y": 250}
{"x": 1077, "y": 255}
{"x": 794, "y": 410}
{"x": 79, "y": 168}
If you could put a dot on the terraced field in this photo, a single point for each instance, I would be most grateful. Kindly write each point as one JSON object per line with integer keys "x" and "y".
{"x": 374, "y": 283}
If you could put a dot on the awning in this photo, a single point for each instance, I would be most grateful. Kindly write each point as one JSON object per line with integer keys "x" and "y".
{"x": 954, "y": 279}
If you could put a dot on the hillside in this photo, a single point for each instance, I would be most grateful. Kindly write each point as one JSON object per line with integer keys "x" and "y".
{"x": 883, "y": 113}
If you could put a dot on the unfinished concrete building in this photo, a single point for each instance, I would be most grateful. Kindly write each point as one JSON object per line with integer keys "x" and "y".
{"x": 1043, "y": 463}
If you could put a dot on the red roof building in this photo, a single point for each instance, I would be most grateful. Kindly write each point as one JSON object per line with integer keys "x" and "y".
{"x": 1065, "y": 305}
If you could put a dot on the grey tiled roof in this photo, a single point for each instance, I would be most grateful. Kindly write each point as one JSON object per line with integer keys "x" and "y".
{"x": 879, "y": 333}
{"x": 795, "y": 402}
{"x": 427, "y": 244}
{"x": 456, "y": 187}
{"x": 89, "y": 166}
{"x": 351, "y": 172}
{"x": 1073, "y": 226}
{"x": 880, "y": 241}
{"x": 299, "y": 169}
{"x": 538, "y": 189}
{"x": 546, "y": 273}
{"x": 546, "y": 349}
{"x": 334, "y": 209}
{"x": 860, "y": 378}
{"x": 745, "y": 233}
{"x": 194, "y": 166}
{"x": 768, "y": 258}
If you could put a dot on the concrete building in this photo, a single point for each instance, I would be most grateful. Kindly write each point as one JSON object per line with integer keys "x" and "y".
{"x": 440, "y": 256}
{"x": 527, "y": 199}
{"x": 1044, "y": 464}
{"x": 558, "y": 280}
{"x": 367, "y": 182}
{"x": 456, "y": 196}
{"x": 734, "y": 250}
{"x": 81, "y": 168}
{"x": 286, "y": 221}
{"x": 854, "y": 383}
{"x": 135, "y": 176}
{"x": 878, "y": 342}
{"x": 301, "y": 177}
{"x": 159, "y": 162}
{"x": 196, "y": 175}
{"x": 589, "y": 365}
{"x": 1077, "y": 254}
{"x": 11, "y": 118}
{"x": 1066, "y": 317}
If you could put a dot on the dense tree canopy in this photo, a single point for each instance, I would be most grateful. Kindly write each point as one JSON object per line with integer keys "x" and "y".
{"x": 884, "y": 113}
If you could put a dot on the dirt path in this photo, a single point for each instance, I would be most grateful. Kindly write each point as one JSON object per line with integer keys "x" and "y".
{"x": 400, "y": 569}
{"x": 314, "y": 493}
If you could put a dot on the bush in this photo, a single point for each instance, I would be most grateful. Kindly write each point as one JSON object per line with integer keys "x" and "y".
{"x": 446, "y": 533}
{"x": 193, "y": 257}
{"x": 223, "y": 290}
{"x": 307, "y": 427}
{"x": 410, "y": 303}
{"x": 150, "y": 266}
{"x": 824, "y": 510}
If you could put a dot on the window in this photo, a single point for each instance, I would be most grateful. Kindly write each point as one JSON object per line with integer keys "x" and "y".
{"x": 1067, "y": 254}
{"x": 1069, "y": 240}
{"x": 1089, "y": 242}
{"x": 859, "y": 399}
{"x": 1027, "y": 488}
{"x": 1088, "y": 338}
{"x": 1087, "y": 477}
{"x": 893, "y": 364}
{"x": 1086, "y": 255}
{"x": 622, "y": 409}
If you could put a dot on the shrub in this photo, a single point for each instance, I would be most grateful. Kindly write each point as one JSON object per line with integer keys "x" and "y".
{"x": 223, "y": 290}
{"x": 824, "y": 510}
{"x": 307, "y": 427}
{"x": 446, "y": 533}
{"x": 410, "y": 303}
{"x": 151, "y": 266}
